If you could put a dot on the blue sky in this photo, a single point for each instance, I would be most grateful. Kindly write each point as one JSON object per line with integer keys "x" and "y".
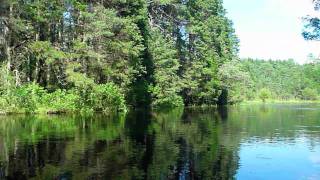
{"x": 272, "y": 28}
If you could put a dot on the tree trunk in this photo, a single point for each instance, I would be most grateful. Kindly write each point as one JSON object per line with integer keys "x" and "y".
{"x": 8, "y": 58}
{"x": 8, "y": 41}
{"x": 17, "y": 77}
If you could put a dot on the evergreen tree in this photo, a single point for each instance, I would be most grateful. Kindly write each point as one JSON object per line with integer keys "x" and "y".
{"x": 167, "y": 83}
{"x": 211, "y": 42}
{"x": 158, "y": 52}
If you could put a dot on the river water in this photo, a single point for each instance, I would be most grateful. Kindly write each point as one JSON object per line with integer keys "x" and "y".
{"x": 245, "y": 142}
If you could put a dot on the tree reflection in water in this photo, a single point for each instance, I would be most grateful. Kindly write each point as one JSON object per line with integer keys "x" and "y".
{"x": 144, "y": 144}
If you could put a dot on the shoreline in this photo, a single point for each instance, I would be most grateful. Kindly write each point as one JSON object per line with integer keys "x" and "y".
{"x": 69, "y": 112}
{"x": 254, "y": 102}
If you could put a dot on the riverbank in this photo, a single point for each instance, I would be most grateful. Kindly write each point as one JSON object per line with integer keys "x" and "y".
{"x": 60, "y": 112}
{"x": 48, "y": 111}
{"x": 277, "y": 101}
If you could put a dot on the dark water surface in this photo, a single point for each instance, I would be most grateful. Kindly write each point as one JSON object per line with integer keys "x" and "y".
{"x": 246, "y": 142}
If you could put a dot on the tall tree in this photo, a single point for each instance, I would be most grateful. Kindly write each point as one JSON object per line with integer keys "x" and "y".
{"x": 211, "y": 42}
{"x": 5, "y": 9}
{"x": 167, "y": 83}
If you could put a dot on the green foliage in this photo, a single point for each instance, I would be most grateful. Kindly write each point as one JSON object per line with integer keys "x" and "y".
{"x": 43, "y": 50}
{"x": 285, "y": 79}
{"x": 94, "y": 54}
{"x": 167, "y": 101}
{"x": 235, "y": 80}
{"x": 107, "y": 97}
{"x": 264, "y": 94}
{"x": 211, "y": 42}
{"x": 309, "y": 94}
{"x": 28, "y": 97}
{"x": 110, "y": 48}
{"x": 166, "y": 65}
{"x": 31, "y": 98}
{"x": 104, "y": 97}
{"x": 77, "y": 78}
{"x": 6, "y": 80}
{"x": 60, "y": 101}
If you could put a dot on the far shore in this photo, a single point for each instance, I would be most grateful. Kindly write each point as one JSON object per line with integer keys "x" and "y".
{"x": 277, "y": 101}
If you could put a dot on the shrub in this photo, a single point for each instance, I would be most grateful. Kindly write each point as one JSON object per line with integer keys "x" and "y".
{"x": 104, "y": 97}
{"x": 165, "y": 98}
{"x": 309, "y": 94}
{"x": 61, "y": 101}
{"x": 264, "y": 94}
{"x": 4, "y": 106}
{"x": 28, "y": 97}
{"x": 107, "y": 97}
{"x": 169, "y": 101}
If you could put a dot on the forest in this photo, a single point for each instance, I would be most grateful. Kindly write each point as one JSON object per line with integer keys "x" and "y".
{"x": 111, "y": 54}
{"x": 101, "y": 55}
{"x": 281, "y": 80}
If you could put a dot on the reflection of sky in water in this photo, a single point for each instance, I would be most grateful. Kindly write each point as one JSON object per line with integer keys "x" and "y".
{"x": 245, "y": 142}
{"x": 295, "y": 159}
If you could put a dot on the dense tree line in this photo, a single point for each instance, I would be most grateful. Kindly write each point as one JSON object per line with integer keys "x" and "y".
{"x": 158, "y": 52}
{"x": 282, "y": 80}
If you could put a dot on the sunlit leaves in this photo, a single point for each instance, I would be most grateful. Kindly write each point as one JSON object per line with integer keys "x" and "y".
{"x": 45, "y": 51}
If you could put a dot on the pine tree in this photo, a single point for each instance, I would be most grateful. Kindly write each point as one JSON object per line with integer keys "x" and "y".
{"x": 211, "y": 42}
{"x": 158, "y": 52}
{"x": 167, "y": 83}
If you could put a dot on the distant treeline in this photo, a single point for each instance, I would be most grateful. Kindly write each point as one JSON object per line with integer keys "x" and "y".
{"x": 283, "y": 80}
{"x": 98, "y": 55}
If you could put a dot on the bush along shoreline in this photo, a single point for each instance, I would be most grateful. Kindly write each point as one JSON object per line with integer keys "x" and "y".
{"x": 34, "y": 99}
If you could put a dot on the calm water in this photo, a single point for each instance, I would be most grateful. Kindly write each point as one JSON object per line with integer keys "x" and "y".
{"x": 247, "y": 142}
